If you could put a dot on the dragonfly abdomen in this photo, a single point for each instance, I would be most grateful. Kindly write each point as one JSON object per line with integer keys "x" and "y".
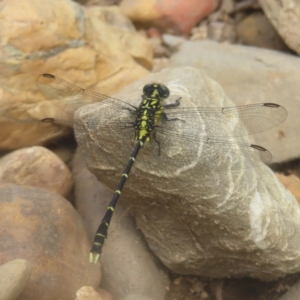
{"x": 148, "y": 115}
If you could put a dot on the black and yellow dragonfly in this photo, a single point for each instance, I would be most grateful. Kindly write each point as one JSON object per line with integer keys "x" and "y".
{"x": 157, "y": 127}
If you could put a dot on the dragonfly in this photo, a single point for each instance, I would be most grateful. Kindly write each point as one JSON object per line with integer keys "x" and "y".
{"x": 156, "y": 127}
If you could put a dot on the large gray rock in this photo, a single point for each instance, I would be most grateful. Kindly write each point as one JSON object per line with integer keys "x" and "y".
{"x": 196, "y": 219}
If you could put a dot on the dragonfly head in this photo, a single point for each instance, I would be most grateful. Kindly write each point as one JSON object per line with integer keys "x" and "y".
{"x": 156, "y": 90}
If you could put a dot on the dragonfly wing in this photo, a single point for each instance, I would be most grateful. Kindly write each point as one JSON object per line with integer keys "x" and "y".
{"x": 51, "y": 129}
{"x": 228, "y": 121}
{"x": 69, "y": 97}
{"x": 104, "y": 134}
{"x": 208, "y": 154}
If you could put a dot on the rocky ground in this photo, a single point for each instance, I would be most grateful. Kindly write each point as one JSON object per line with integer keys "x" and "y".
{"x": 206, "y": 234}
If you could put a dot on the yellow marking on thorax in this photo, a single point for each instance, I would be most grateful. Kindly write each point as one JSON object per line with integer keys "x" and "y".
{"x": 151, "y": 102}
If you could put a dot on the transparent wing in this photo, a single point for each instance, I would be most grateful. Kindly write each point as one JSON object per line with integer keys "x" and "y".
{"x": 99, "y": 135}
{"x": 172, "y": 137}
{"x": 69, "y": 97}
{"x": 116, "y": 115}
{"x": 50, "y": 129}
{"x": 209, "y": 154}
{"x": 229, "y": 121}
{"x": 219, "y": 122}
{"x": 108, "y": 123}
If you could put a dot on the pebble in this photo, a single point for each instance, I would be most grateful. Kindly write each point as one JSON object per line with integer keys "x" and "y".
{"x": 14, "y": 276}
{"x": 87, "y": 293}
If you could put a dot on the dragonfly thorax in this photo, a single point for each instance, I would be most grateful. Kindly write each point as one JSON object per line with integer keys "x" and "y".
{"x": 149, "y": 111}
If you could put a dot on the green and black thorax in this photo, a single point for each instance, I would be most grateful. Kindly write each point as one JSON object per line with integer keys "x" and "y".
{"x": 149, "y": 111}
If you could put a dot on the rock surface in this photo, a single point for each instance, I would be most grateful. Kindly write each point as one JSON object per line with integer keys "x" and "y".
{"x": 14, "y": 276}
{"x": 196, "y": 220}
{"x": 285, "y": 17}
{"x": 128, "y": 266}
{"x": 93, "y": 47}
{"x": 36, "y": 166}
{"x": 249, "y": 75}
{"x": 44, "y": 229}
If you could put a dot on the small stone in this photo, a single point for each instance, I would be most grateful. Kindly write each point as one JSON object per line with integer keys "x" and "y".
{"x": 227, "y": 6}
{"x": 256, "y": 30}
{"x": 200, "y": 32}
{"x": 14, "y": 276}
{"x": 87, "y": 293}
{"x": 221, "y": 32}
{"x": 172, "y": 41}
{"x": 178, "y": 280}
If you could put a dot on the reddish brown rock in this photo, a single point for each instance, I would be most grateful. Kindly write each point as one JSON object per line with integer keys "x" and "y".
{"x": 95, "y": 48}
{"x": 171, "y": 16}
{"x": 36, "y": 166}
{"x": 44, "y": 228}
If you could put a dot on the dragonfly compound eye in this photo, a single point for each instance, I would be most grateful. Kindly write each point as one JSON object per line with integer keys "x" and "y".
{"x": 164, "y": 92}
{"x": 148, "y": 90}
